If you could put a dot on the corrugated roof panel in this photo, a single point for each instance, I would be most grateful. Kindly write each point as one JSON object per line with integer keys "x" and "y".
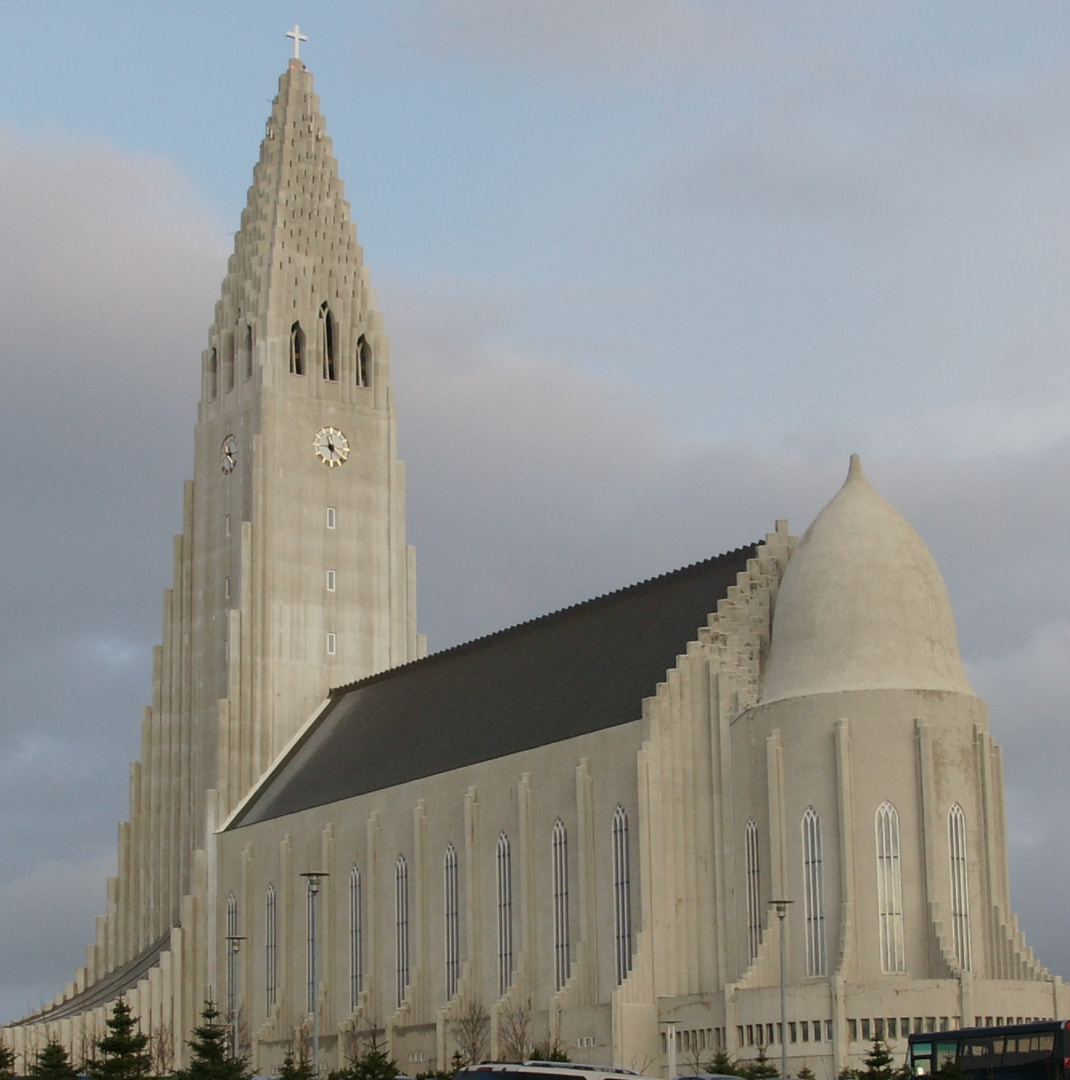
{"x": 575, "y": 671}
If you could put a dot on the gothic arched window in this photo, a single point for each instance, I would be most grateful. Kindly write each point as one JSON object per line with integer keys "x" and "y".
{"x": 452, "y": 920}
{"x": 212, "y": 375}
{"x": 754, "y": 889}
{"x": 889, "y": 890}
{"x": 622, "y": 894}
{"x": 814, "y": 894}
{"x": 328, "y": 333}
{"x": 247, "y": 353}
{"x": 505, "y": 914}
{"x": 228, "y": 360}
{"x": 401, "y": 922}
{"x": 355, "y": 960}
{"x": 297, "y": 350}
{"x": 232, "y": 956}
{"x": 270, "y": 950}
{"x": 363, "y": 362}
{"x": 960, "y": 886}
{"x": 559, "y": 850}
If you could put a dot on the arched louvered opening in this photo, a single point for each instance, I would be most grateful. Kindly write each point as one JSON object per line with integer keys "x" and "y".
{"x": 271, "y": 970}
{"x": 327, "y": 335}
{"x": 504, "y": 861}
{"x": 622, "y": 895}
{"x": 754, "y": 890}
{"x": 401, "y": 926}
{"x": 960, "y": 887}
{"x": 363, "y": 362}
{"x": 355, "y": 959}
{"x": 211, "y": 375}
{"x": 814, "y": 894}
{"x": 297, "y": 350}
{"x": 451, "y": 912}
{"x": 889, "y": 890}
{"x": 559, "y": 852}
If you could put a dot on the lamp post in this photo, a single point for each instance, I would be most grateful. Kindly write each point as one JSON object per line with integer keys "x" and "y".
{"x": 233, "y": 945}
{"x": 313, "y": 879}
{"x": 781, "y": 911}
{"x": 670, "y": 1046}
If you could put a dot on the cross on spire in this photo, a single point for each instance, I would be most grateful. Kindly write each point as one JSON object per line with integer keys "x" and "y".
{"x": 298, "y": 37}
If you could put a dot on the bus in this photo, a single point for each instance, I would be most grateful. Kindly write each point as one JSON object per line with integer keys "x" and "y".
{"x": 1039, "y": 1051}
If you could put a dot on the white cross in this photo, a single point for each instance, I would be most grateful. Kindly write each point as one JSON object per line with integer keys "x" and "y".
{"x": 298, "y": 37}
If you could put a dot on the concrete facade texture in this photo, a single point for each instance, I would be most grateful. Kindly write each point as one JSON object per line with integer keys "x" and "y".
{"x": 817, "y": 741}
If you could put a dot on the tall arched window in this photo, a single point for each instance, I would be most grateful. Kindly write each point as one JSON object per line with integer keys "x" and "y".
{"x": 814, "y": 894}
{"x": 297, "y": 350}
{"x": 247, "y": 352}
{"x": 271, "y": 970}
{"x": 960, "y": 886}
{"x": 355, "y": 959}
{"x": 452, "y": 921}
{"x": 327, "y": 344}
{"x": 232, "y": 956}
{"x": 363, "y": 362}
{"x": 889, "y": 890}
{"x": 754, "y": 889}
{"x": 212, "y": 375}
{"x": 559, "y": 851}
{"x": 401, "y": 918}
{"x": 505, "y": 914}
{"x": 622, "y": 894}
{"x": 228, "y": 360}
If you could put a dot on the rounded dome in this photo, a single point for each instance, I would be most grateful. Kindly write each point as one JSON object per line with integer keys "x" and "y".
{"x": 862, "y": 606}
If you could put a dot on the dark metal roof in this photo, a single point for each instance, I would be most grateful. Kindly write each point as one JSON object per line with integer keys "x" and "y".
{"x": 575, "y": 671}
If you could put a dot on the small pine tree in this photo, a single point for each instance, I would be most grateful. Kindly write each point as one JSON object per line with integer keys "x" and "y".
{"x": 806, "y": 1073}
{"x": 7, "y": 1062}
{"x": 847, "y": 1073}
{"x": 878, "y": 1063}
{"x": 210, "y": 1052}
{"x": 302, "y": 1070}
{"x": 722, "y": 1065}
{"x": 374, "y": 1065}
{"x": 123, "y": 1050}
{"x": 760, "y": 1068}
{"x": 53, "y": 1063}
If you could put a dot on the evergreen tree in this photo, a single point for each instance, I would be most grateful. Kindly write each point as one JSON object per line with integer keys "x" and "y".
{"x": 210, "y": 1052}
{"x": 878, "y": 1063}
{"x": 302, "y": 1070}
{"x": 806, "y": 1073}
{"x": 722, "y": 1065}
{"x": 53, "y": 1063}
{"x": 760, "y": 1068}
{"x": 7, "y": 1062}
{"x": 124, "y": 1051}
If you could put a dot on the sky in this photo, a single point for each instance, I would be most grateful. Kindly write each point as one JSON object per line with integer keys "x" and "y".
{"x": 652, "y": 270}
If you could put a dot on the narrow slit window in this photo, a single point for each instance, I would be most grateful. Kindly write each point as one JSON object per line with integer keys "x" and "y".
{"x": 232, "y": 957}
{"x": 814, "y": 894}
{"x": 297, "y": 350}
{"x": 401, "y": 927}
{"x": 228, "y": 361}
{"x": 960, "y": 886}
{"x": 559, "y": 873}
{"x": 889, "y": 890}
{"x": 328, "y": 333}
{"x": 505, "y": 914}
{"x": 622, "y": 895}
{"x": 270, "y": 950}
{"x": 330, "y": 517}
{"x": 754, "y": 890}
{"x": 452, "y": 921}
{"x": 332, "y": 644}
{"x": 247, "y": 353}
{"x": 330, "y": 580}
{"x": 355, "y": 964}
{"x": 363, "y": 362}
{"x": 212, "y": 389}
{"x": 226, "y": 587}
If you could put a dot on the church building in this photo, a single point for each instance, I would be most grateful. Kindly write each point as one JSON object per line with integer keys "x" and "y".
{"x": 597, "y": 829}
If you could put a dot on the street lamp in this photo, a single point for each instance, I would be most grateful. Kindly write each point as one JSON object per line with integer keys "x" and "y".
{"x": 313, "y": 879}
{"x": 233, "y": 945}
{"x": 782, "y": 910}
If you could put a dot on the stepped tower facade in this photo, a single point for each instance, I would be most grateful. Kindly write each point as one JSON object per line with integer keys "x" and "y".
{"x": 291, "y": 574}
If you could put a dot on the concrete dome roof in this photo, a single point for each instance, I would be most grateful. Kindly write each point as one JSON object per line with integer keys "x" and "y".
{"x": 862, "y": 606}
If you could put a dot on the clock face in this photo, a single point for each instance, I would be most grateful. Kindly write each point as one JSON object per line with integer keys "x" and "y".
{"x": 228, "y": 454}
{"x": 331, "y": 446}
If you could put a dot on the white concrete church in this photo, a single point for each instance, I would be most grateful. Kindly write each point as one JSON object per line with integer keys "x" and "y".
{"x": 585, "y": 816}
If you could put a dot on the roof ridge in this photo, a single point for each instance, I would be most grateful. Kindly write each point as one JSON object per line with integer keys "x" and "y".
{"x": 548, "y": 616}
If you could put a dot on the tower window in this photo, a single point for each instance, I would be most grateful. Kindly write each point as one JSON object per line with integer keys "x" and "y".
{"x": 622, "y": 896}
{"x": 889, "y": 890}
{"x": 452, "y": 920}
{"x": 297, "y": 350}
{"x": 232, "y": 956}
{"x": 212, "y": 389}
{"x": 327, "y": 336}
{"x": 226, "y": 587}
{"x": 330, "y": 580}
{"x": 270, "y": 949}
{"x": 505, "y": 914}
{"x": 364, "y": 362}
{"x": 332, "y": 644}
{"x": 247, "y": 353}
{"x": 355, "y": 965}
{"x": 330, "y": 517}
{"x": 401, "y": 926}
{"x": 228, "y": 361}
{"x": 226, "y": 525}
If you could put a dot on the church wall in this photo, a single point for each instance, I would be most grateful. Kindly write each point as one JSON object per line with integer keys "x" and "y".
{"x": 522, "y": 795}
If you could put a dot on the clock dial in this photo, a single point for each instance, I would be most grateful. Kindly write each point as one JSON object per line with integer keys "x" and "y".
{"x": 228, "y": 454}
{"x": 331, "y": 446}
